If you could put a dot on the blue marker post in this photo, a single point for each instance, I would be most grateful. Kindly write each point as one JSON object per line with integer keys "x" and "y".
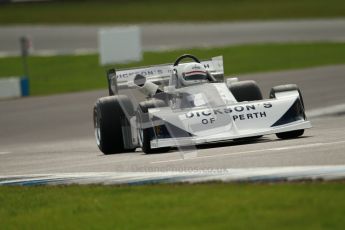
{"x": 24, "y": 86}
{"x": 24, "y": 81}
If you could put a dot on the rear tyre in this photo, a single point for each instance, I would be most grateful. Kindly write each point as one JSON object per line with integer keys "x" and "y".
{"x": 286, "y": 88}
{"x": 109, "y": 116}
{"x": 245, "y": 91}
{"x": 147, "y": 134}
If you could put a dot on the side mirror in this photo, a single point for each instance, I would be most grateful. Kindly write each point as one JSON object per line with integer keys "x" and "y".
{"x": 146, "y": 87}
{"x": 139, "y": 80}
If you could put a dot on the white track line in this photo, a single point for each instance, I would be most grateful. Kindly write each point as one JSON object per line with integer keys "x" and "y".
{"x": 326, "y": 172}
{"x": 253, "y": 151}
{"x": 3, "y": 153}
{"x": 328, "y": 111}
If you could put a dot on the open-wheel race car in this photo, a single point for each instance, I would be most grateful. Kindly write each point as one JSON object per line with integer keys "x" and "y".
{"x": 189, "y": 104}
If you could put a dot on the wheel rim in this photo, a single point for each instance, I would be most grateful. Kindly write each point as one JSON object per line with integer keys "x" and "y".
{"x": 140, "y": 136}
{"x": 98, "y": 136}
{"x": 139, "y": 130}
{"x": 97, "y": 130}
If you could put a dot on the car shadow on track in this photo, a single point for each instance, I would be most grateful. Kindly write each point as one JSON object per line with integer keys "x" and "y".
{"x": 244, "y": 141}
{"x": 238, "y": 142}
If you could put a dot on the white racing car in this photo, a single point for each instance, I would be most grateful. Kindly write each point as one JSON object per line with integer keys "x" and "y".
{"x": 189, "y": 103}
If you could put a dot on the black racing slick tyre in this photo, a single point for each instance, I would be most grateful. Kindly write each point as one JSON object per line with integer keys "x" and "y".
{"x": 110, "y": 114}
{"x": 245, "y": 91}
{"x": 290, "y": 134}
{"x": 146, "y": 134}
{"x": 286, "y": 88}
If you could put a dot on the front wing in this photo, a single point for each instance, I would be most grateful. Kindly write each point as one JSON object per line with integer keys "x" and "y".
{"x": 208, "y": 125}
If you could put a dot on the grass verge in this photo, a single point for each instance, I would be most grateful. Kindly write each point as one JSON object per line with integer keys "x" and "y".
{"x": 137, "y": 11}
{"x": 60, "y": 74}
{"x": 202, "y": 206}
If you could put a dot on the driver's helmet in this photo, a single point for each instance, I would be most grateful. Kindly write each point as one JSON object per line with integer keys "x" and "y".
{"x": 193, "y": 73}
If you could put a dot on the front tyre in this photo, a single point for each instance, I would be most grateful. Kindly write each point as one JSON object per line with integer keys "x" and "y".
{"x": 145, "y": 132}
{"x": 145, "y": 136}
{"x": 245, "y": 91}
{"x": 290, "y": 134}
{"x": 286, "y": 88}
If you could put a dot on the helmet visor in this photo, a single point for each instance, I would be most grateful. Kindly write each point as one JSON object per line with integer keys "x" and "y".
{"x": 195, "y": 76}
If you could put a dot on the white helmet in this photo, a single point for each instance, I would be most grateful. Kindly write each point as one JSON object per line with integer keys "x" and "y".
{"x": 193, "y": 73}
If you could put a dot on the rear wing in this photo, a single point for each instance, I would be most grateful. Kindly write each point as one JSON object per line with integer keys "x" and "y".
{"x": 159, "y": 74}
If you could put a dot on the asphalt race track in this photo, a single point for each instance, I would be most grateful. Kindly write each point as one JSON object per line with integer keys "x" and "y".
{"x": 54, "y": 134}
{"x": 50, "y": 40}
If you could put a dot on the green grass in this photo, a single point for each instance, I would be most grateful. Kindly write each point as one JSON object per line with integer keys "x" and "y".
{"x": 202, "y": 206}
{"x": 138, "y": 11}
{"x": 58, "y": 74}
